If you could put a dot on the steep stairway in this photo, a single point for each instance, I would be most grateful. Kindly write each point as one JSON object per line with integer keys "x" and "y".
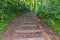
{"x": 24, "y": 28}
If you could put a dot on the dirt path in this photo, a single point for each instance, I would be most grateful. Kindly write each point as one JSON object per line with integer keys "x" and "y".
{"x": 26, "y": 27}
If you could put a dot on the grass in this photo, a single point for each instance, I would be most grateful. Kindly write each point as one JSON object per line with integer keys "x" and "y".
{"x": 3, "y": 28}
{"x": 0, "y": 38}
{"x": 5, "y": 23}
{"x": 55, "y": 26}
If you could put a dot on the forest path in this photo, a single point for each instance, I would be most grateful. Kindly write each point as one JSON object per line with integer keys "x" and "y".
{"x": 25, "y": 27}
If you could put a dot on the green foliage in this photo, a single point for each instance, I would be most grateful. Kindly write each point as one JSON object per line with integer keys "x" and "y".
{"x": 50, "y": 14}
{"x": 3, "y": 28}
{"x": 9, "y": 9}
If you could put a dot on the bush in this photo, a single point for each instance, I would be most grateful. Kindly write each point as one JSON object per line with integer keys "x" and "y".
{"x": 51, "y": 15}
{"x": 8, "y": 11}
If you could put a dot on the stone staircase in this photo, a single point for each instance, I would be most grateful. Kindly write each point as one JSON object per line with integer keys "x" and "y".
{"x": 27, "y": 29}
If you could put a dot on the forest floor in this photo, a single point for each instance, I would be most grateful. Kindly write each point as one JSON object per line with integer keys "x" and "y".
{"x": 29, "y": 27}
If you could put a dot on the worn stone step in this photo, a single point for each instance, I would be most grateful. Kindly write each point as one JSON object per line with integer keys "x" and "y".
{"x": 31, "y": 25}
{"x": 28, "y": 28}
{"x": 27, "y": 15}
{"x": 27, "y": 31}
{"x": 27, "y": 35}
{"x": 28, "y": 22}
{"x": 27, "y": 19}
{"x": 37, "y": 38}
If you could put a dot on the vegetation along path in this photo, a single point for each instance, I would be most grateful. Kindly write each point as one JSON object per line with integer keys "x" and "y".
{"x": 26, "y": 27}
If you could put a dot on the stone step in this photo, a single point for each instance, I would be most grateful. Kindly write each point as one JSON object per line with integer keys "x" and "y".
{"x": 27, "y": 15}
{"x": 27, "y": 35}
{"x": 24, "y": 23}
{"x": 35, "y": 27}
{"x": 31, "y": 25}
{"x": 27, "y": 19}
{"x": 37, "y": 38}
{"x": 28, "y": 22}
{"x": 27, "y": 31}
{"x": 28, "y": 28}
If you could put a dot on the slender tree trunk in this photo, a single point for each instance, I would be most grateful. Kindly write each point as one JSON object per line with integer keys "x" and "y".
{"x": 35, "y": 5}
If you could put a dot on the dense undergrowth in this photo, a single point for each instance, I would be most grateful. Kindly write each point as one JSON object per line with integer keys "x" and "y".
{"x": 50, "y": 13}
{"x": 9, "y": 9}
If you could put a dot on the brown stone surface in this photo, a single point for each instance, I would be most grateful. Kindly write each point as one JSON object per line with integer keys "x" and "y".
{"x": 28, "y": 24}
